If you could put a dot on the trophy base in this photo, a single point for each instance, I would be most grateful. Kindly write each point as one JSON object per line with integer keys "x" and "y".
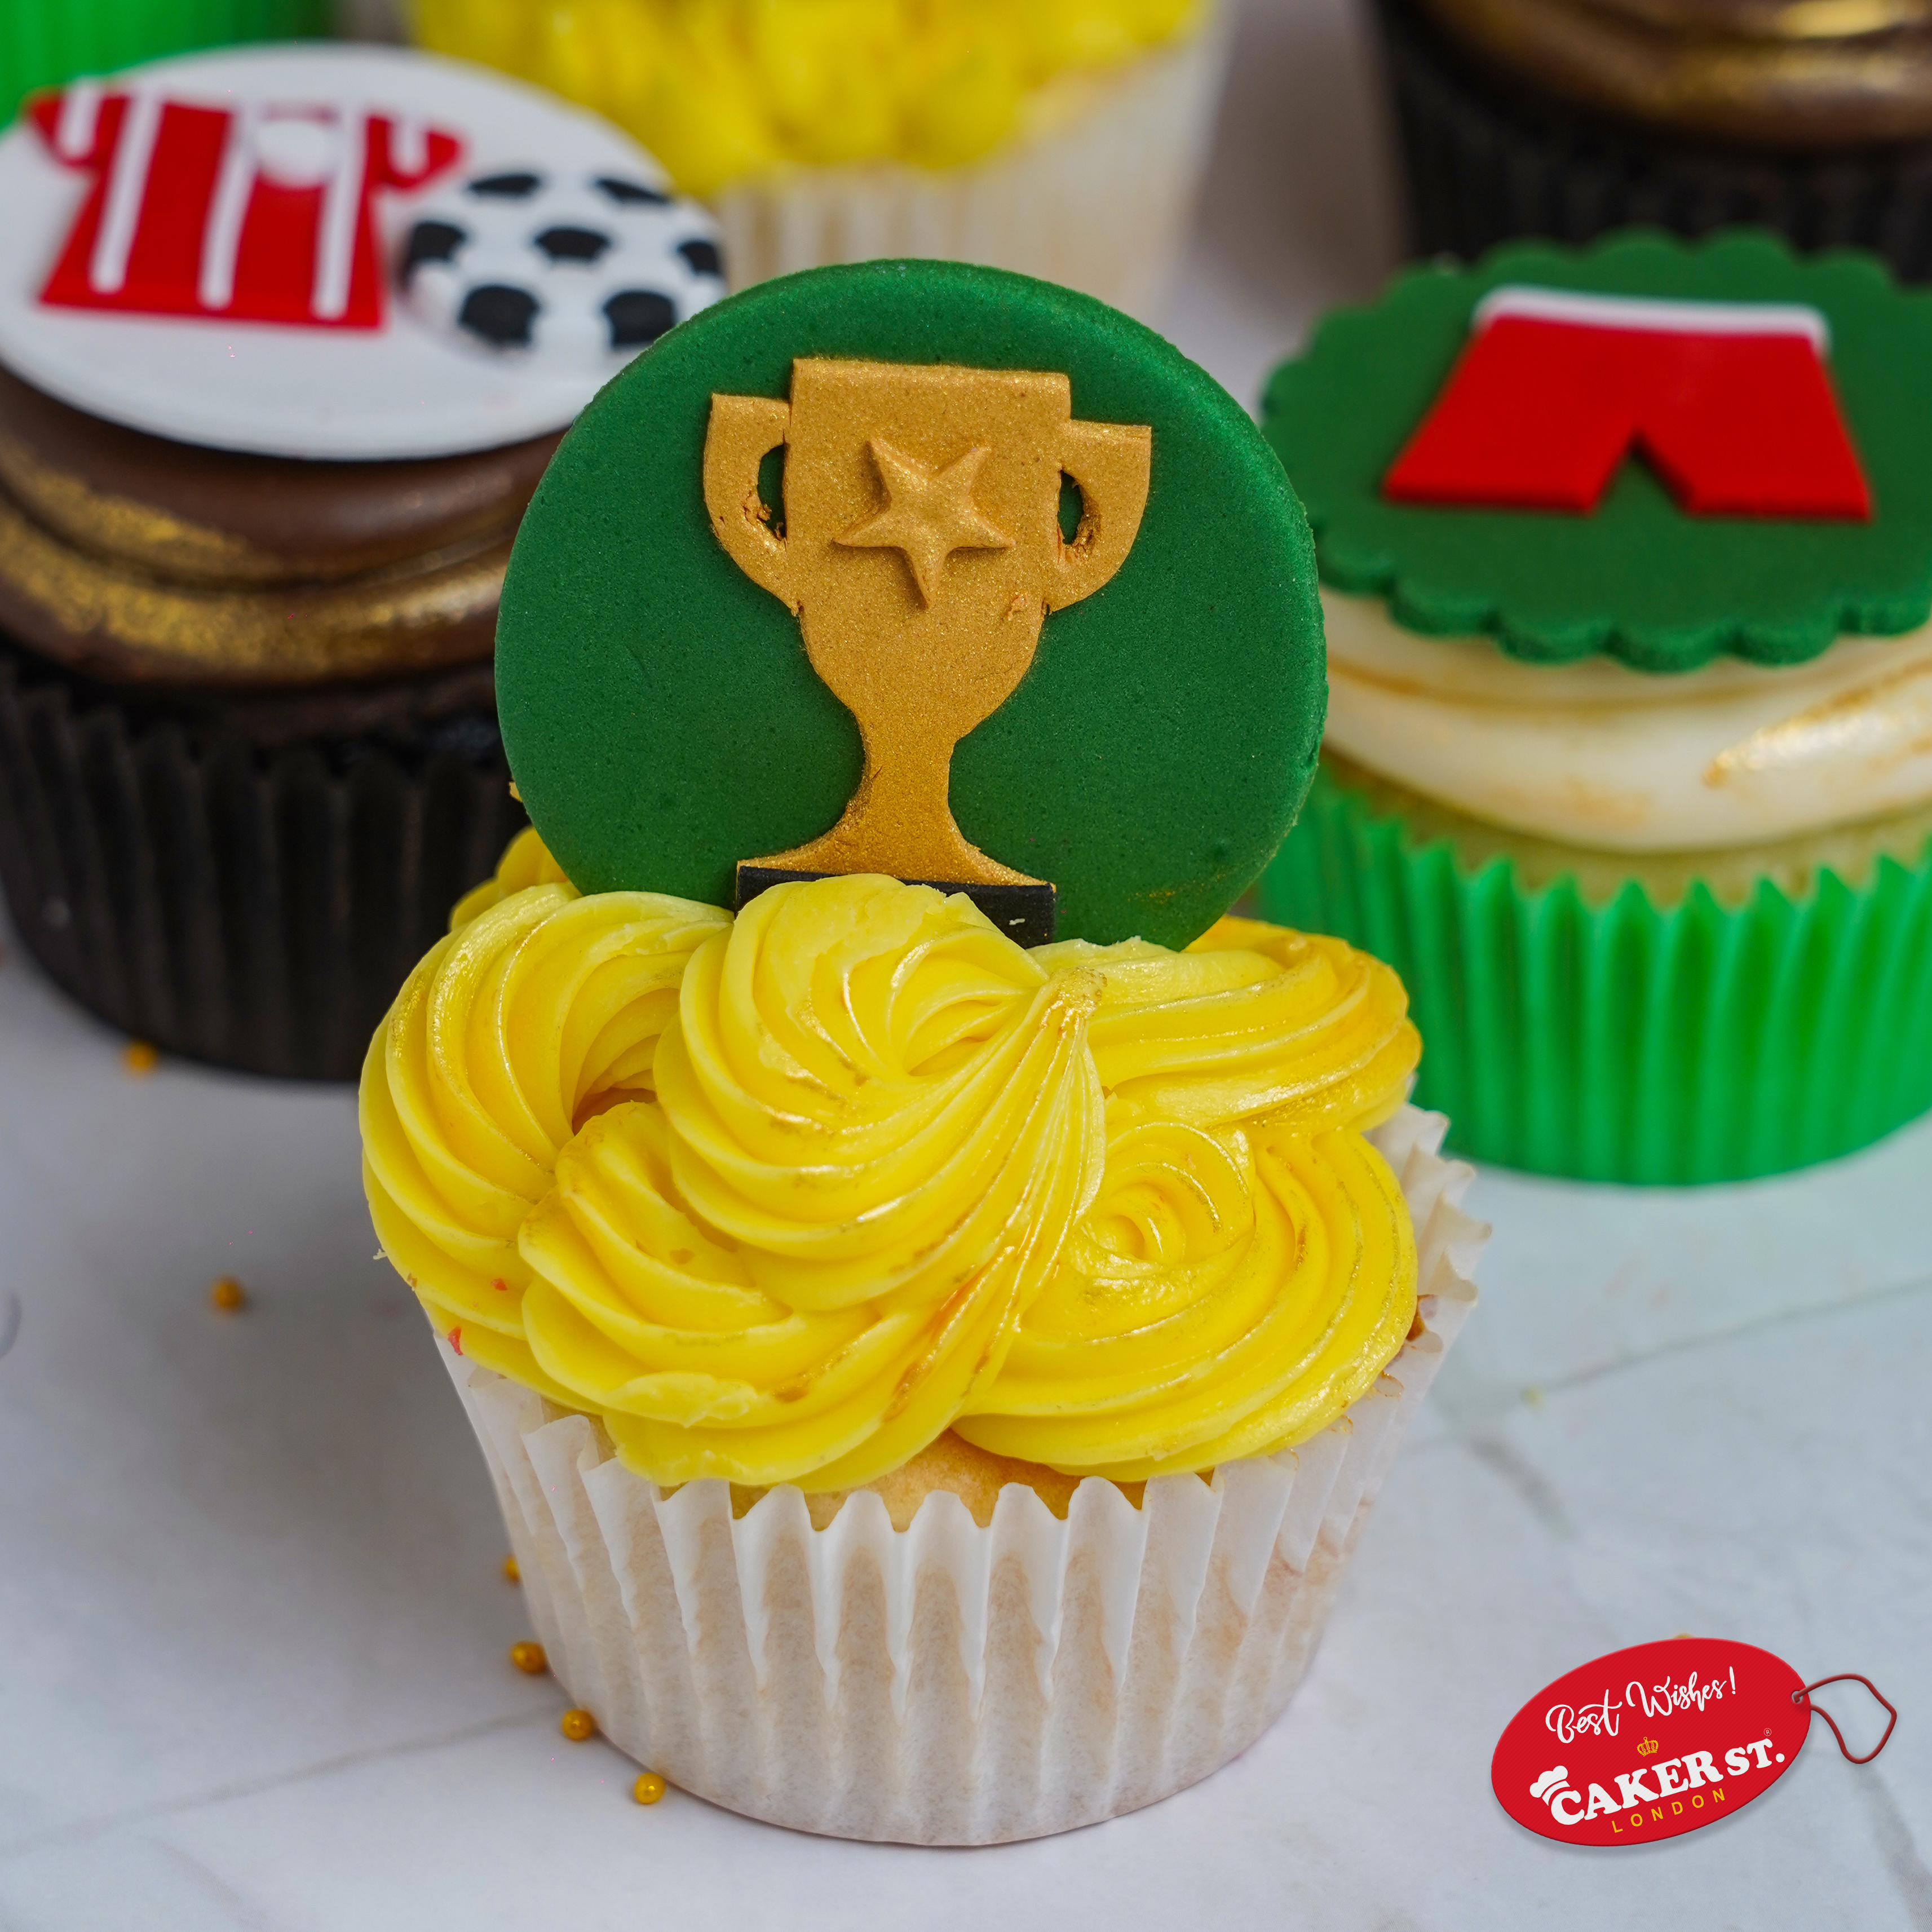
{"x": 1024, "y": 913}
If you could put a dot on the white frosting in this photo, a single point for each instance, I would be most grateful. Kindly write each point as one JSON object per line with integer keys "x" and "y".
{"x": 1595, "y": 753}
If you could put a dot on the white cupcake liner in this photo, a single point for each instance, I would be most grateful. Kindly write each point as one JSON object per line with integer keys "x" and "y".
{"x": 1101, "y": 203}
{"x": 949, "y": 1684}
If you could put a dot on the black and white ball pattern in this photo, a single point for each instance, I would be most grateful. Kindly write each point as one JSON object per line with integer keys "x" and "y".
{"x": 581, "y": 271}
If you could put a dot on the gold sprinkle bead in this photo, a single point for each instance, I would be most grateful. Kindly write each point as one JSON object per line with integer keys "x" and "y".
{"x": 139, "y": 1058}
{"x": 649, "y": 1789}
{"x": 511, "y": 1574}
{"x": 529, "y": 1658}
{"x": 578, "y": 1725}
{"x": 227, "y": 1294}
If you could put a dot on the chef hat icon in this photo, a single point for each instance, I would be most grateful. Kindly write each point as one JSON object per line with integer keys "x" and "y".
{"x": 1545, "y": 1786}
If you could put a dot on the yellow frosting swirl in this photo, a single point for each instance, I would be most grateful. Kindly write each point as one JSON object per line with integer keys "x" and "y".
{"x": 540, "y": 1009}
{"x": 723, "y": 90}
{"x": 1249, "y": 1266}
{"x": 784, "y": 1199}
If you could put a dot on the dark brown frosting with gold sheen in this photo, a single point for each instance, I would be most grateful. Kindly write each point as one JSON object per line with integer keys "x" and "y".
{"x": 132, "y": 557}
{"x": 219, "y": 516}
{"x": 1795, "y": 74}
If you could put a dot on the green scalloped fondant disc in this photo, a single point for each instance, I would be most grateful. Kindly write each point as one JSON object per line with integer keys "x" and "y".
{"x": 1637, "y": 578}
{"x": 662, "y": 720}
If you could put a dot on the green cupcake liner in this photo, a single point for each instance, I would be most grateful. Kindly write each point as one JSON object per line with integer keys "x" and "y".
{"x": 43, "y": 43}
{"x": 1612, "y": 1038}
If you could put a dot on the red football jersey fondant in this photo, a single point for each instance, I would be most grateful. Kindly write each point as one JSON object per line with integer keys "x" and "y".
{"x": 1541, "y": 409}
{"x": 255, "y": 212}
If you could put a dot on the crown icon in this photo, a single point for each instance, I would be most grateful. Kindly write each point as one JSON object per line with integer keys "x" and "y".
{"x": 1646, "y": 1747}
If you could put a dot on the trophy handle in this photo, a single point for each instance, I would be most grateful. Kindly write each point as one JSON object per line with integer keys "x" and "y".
{"x": 742, "y": 431}
{"x": 1110, "y": 462}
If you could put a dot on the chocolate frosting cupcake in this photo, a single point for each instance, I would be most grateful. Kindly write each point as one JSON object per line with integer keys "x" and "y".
{"x": 259, "y": 476}
{"x": 1566, "y": 118}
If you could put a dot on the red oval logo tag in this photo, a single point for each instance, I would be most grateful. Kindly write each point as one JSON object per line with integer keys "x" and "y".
{"x": 1649, "y": 1742}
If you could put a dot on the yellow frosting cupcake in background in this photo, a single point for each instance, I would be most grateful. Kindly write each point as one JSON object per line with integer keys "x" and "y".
{"x": 1066, "y": 141}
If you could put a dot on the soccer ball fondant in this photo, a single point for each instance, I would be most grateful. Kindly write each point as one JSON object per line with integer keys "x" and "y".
{"x": 577, "y": 269}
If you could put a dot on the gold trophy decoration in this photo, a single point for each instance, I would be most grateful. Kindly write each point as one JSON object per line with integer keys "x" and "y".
{"x": 922, "y": 550}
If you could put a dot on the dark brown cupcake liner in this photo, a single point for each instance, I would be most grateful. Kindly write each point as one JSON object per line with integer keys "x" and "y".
{"x": 248, "y": 882}
{"x": 1486, "y": 159}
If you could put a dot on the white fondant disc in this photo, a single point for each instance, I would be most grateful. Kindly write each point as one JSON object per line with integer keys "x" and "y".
{"x": 414, "y": 387}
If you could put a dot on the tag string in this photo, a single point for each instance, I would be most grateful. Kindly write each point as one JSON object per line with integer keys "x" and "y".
{"x": 1803, "y": 1696}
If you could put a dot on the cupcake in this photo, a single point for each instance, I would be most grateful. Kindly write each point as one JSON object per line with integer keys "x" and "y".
{"x": 43, "y": 43}
{"x": 258, "y": 478}
{"x": 933, "y": 1381}
{"x": 1626, "y": 560}
{"x": 1568, "y": 119}
{"x": 1065, "y": 143}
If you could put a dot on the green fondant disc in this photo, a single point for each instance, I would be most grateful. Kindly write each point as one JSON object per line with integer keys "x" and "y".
{"x": 663, "y": 721}
{"x": 1636, "y": 578}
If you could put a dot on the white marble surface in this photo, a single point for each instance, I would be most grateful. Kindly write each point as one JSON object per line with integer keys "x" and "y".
{"x": 252, "y": 1628}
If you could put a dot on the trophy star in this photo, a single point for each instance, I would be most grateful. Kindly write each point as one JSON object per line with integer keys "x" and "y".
{"x": 930, "y": 514}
